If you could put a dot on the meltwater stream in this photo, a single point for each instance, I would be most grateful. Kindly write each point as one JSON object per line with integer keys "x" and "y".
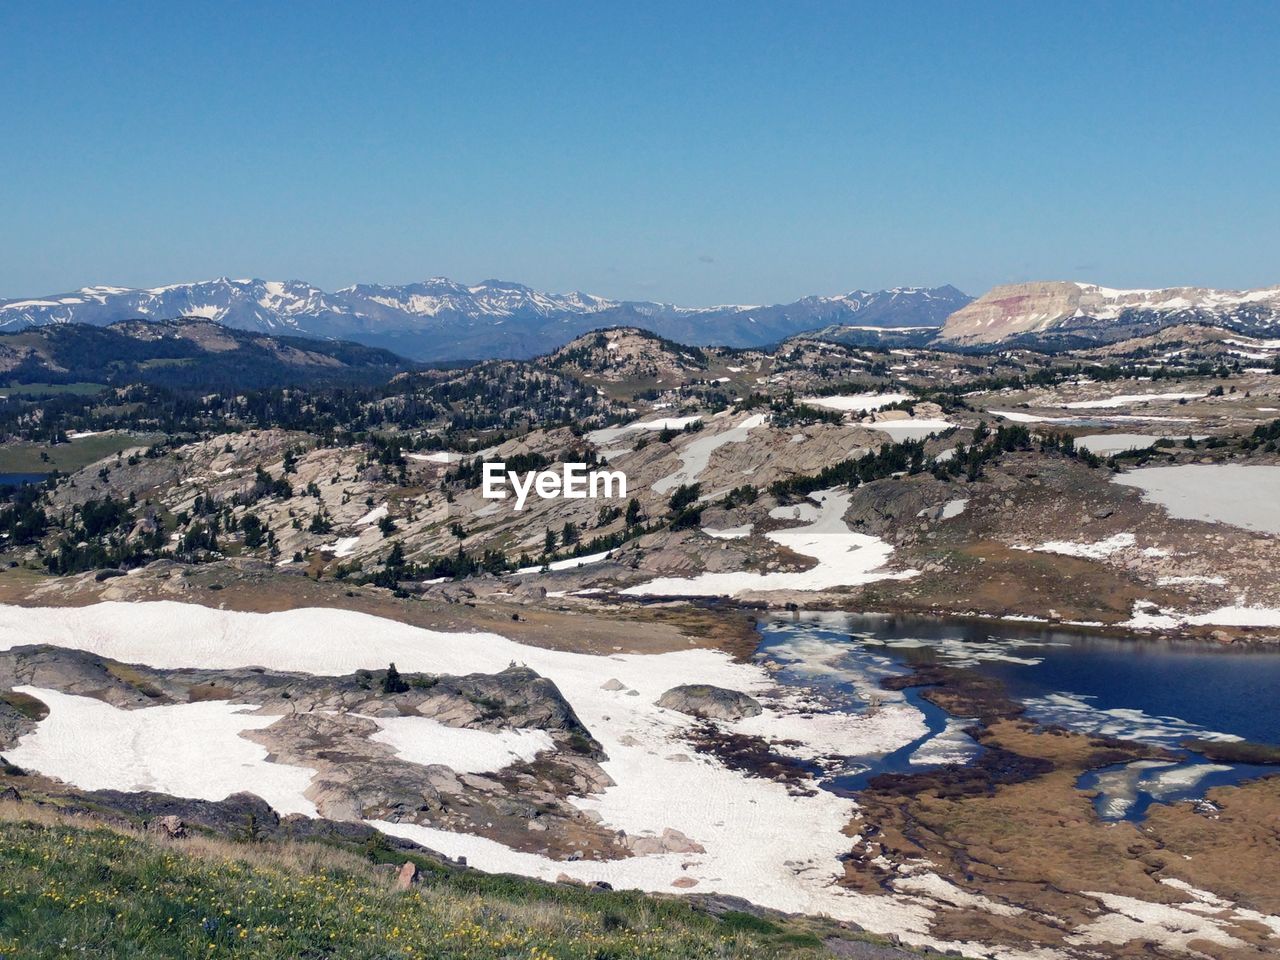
{"x": 1153, "y": 691}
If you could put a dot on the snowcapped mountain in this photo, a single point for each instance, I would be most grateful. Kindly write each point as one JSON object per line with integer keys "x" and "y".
{"x": 440, "y": 319}
{"x": 1067, "y": 311}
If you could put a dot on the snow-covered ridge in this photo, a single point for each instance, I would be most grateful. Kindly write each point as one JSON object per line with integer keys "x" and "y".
{"x": 224, "y": 298}
{"x": 272, "y": 304}
{"x": 440, "y": 318}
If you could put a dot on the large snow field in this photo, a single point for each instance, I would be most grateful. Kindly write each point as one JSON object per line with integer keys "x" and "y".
{"x": 1231, "y": 493}
{"x": 1128, "y": 399}
{"x": 1108, "y": 444}
{"x": 1018, "y": 417}
{"x": 914, "y": 429}
{"x": 188, "y": 750}
{"x": 762, "y": 842}
{"x": 696, "y": 454}
{"x": 844, "y": 558}
{"x": 856, "y": 402}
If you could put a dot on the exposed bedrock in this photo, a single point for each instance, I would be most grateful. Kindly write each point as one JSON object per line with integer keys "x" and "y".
{"x": 710, "y": 703}
{"x": 329, "y": 725}
{"x": 516, "y": 697}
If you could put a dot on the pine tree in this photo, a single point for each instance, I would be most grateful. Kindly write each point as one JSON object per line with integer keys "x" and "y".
{"x": 392, "y": 683}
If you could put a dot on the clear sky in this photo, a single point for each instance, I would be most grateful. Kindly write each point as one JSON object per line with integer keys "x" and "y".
{"x": 692, "y": 152}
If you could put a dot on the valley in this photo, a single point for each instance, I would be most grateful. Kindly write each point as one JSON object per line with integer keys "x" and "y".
{"x": 566, "y": 481}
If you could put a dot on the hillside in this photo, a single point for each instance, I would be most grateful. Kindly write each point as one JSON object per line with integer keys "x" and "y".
{"x": 76, "y": 885}
{"x": 197, "y": 354}
{"x": 440, "y": 319}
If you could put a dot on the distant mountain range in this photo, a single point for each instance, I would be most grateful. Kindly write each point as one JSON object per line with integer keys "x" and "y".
{"x": 1067, "y": 314}
{"x": 439, "y": 319}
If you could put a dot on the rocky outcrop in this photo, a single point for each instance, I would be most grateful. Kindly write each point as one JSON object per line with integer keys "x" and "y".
{"x": 1010, "y": 309}
{"x": 709, "y": 703}
{"x": 18, "y": 716}
{"x": 1016, "y": 309}
{"x": 328, "y": 725}
{"x": 515, "y": 697}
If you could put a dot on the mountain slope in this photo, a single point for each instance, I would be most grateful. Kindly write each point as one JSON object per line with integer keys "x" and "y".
{"x": 185, "y": 353}
{"x": 439, "y": 319}
{"x": 1063, "y": 310}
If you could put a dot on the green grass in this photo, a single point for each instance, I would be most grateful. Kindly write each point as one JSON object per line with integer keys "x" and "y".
{"x": 75, "y": 889}
{"x": 159, "y": 362}
{"x": 67, "y": 457}
{"x": 25, "y": 704}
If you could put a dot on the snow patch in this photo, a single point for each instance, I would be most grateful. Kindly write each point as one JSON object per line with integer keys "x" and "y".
{"x": 843, "y": 558}
{"x": 187, "y": 749}
{"x": 427, "y": 741}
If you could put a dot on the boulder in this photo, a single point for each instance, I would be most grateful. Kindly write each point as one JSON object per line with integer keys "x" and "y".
{"x": 407, "y": 876}
{"x": 886, "y": 416}
{"x": 169, "y": 826}
{"x": 709, "y": 702}
{"x": 671, "y": 841}
{"x": 529, "y": 591}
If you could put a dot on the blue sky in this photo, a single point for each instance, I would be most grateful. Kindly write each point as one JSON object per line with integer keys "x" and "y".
{"x": 696, "y": 153}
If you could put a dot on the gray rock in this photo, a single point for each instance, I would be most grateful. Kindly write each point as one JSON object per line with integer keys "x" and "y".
{"x": 709, "y": 702}
{"x": 169, "y": 826}
{"x": 671, "y": 841}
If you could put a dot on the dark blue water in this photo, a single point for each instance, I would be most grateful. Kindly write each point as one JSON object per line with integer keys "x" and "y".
{"x": 1231, "y": 690}
{"x": 21, "y": 479}
{"x": 1154, "y": 691}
